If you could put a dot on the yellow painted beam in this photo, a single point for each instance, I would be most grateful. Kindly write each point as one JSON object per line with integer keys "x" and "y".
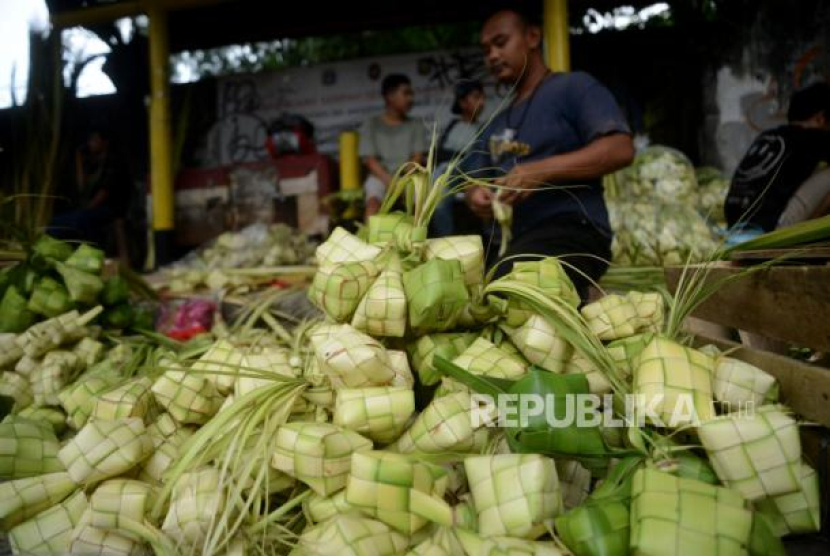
{"x": 161, "y": 148}
{"x": 557, "y": 35}
{"x": 96, "y": 14}
{"x": 103, "y": 14}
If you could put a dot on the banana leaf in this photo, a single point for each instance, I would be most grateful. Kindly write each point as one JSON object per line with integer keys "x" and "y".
{"x": 571, "y": 440}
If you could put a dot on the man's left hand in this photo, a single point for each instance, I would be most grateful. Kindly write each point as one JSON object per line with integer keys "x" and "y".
{"x": 518, "y": 184}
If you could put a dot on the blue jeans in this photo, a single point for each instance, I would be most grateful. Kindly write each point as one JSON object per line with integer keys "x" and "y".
{"x": 443, "y": 220}
{"x": 88, "y": 225}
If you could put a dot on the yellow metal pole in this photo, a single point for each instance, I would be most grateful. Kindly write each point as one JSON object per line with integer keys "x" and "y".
{"x": 349, "y": 161}
{"x": 557, "y": 35}
{"x": 161, "y": 164}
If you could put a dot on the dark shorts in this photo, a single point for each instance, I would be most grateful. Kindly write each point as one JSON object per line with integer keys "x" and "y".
{"x": 574, "y": 239}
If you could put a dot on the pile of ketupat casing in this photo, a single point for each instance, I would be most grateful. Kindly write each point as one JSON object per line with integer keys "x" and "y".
{"x": 654, "y": 208}
{"x": 320, "y": 440}
{"x": 55, "y": 277}
{"x": 222, "y": 263}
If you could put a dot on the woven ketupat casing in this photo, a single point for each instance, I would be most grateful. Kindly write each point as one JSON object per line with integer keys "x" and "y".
{"x": 612, "y": 317}
{"x": 485, "y": 358}
{"x": 132, "y": 399}
{"x": 89, "y": 351}
{"x": 757, "y": 454}
{"x": 15, "y": 386}
{"x": 468, "y": 250}
{"x": 338, "y": 289}
{"x": 198, "y": 498}
{"x": 79, "y": 398}
{"x": 796, "y": 512}
{"x": 379, "y": 413}
{"x": 321, "y": 508}
{"x": 574, "y": 481}
{"x": 625, "y": 351}
{"x": 118, "y": 502}
{"x": 87, "y": 258}
{"x": 10, "y": 352}
{"x": 684, "y": 517}
{"x": 382, "y": 228}
{"x": 49, "y": 298}
{"x": 435, "y": 294}
{"x": 89, "y": 540}
{"x": 675, "y": 382}
{"x": 48, "y": 380}
{"x": 352, "y": 535}
{"x": 596, "y": 528}
{"x": 353, "y": 359}
{"x": 318, "y": 454}
{"x": 188, "y": 398}
{"x": 513, "y": 494}
{"x": 388, "y": 487}
{"x": 27, "y": 449}
{"x": 50, "y": 531}
{"x": 447, "y": 345}
{"x": 539, "y": 342}
{"x": 24, "y": 498}
{"x": 382, "y": 311}
{"x": 104, "y": 449}
{"x": 445, "y": 425}
{"x": 342, "y": 247}
{"x": 598, "y": 383}
{"x": 546, "y": 274}
{"x": 650, "y": 309}
{"x": 737, "y": 382}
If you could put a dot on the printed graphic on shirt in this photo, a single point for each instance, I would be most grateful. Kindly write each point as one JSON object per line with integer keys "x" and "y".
{"x": 505, "y": 143}
{"x": 762, "y": 159}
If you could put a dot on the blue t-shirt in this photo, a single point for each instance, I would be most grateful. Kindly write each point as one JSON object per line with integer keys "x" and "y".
{"x": 566, "y": 113}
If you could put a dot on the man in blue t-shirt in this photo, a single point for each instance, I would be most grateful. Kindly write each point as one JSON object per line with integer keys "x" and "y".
{"x": 548, "y": 149}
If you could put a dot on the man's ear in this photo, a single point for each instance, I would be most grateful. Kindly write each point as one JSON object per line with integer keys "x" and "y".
{"x": 533, "y": 34}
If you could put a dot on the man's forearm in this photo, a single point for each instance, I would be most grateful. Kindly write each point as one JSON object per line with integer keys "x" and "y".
{"x": 602, "y": 156}
{"x": 377, "y": 169}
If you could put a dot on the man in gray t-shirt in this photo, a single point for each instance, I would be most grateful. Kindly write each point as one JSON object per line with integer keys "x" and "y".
{"x": 389, "y": 140}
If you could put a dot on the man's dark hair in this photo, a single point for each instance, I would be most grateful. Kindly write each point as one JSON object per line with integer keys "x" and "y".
{"x": 528, "y": 12}
{"x": 808, "y": 102}
{"x": 392, "y": 81}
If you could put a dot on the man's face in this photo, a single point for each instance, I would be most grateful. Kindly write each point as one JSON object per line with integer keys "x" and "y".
{"x": 507, "y": 44}
{"x": 472, "y": 104}
{"x": 401, "y": 99}
{"x": 96, "y": 144}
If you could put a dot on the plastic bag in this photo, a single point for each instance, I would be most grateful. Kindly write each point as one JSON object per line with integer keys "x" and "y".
{"x": 660, "y": 174}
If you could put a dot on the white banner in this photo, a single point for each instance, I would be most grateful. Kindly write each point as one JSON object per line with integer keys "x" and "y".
{"x": 334, "y": 97}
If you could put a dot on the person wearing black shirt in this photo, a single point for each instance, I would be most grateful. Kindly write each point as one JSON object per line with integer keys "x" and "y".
{"x": 102, "y": 193}
{"x": 779, "y": 182}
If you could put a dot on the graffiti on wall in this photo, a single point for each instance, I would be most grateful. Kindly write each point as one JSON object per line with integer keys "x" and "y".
{"x": 334, "y": 97}
{"x": 751, "y": 103}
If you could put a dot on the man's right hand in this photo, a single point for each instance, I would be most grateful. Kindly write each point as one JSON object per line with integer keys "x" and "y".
{"x": 480, "y": 201}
